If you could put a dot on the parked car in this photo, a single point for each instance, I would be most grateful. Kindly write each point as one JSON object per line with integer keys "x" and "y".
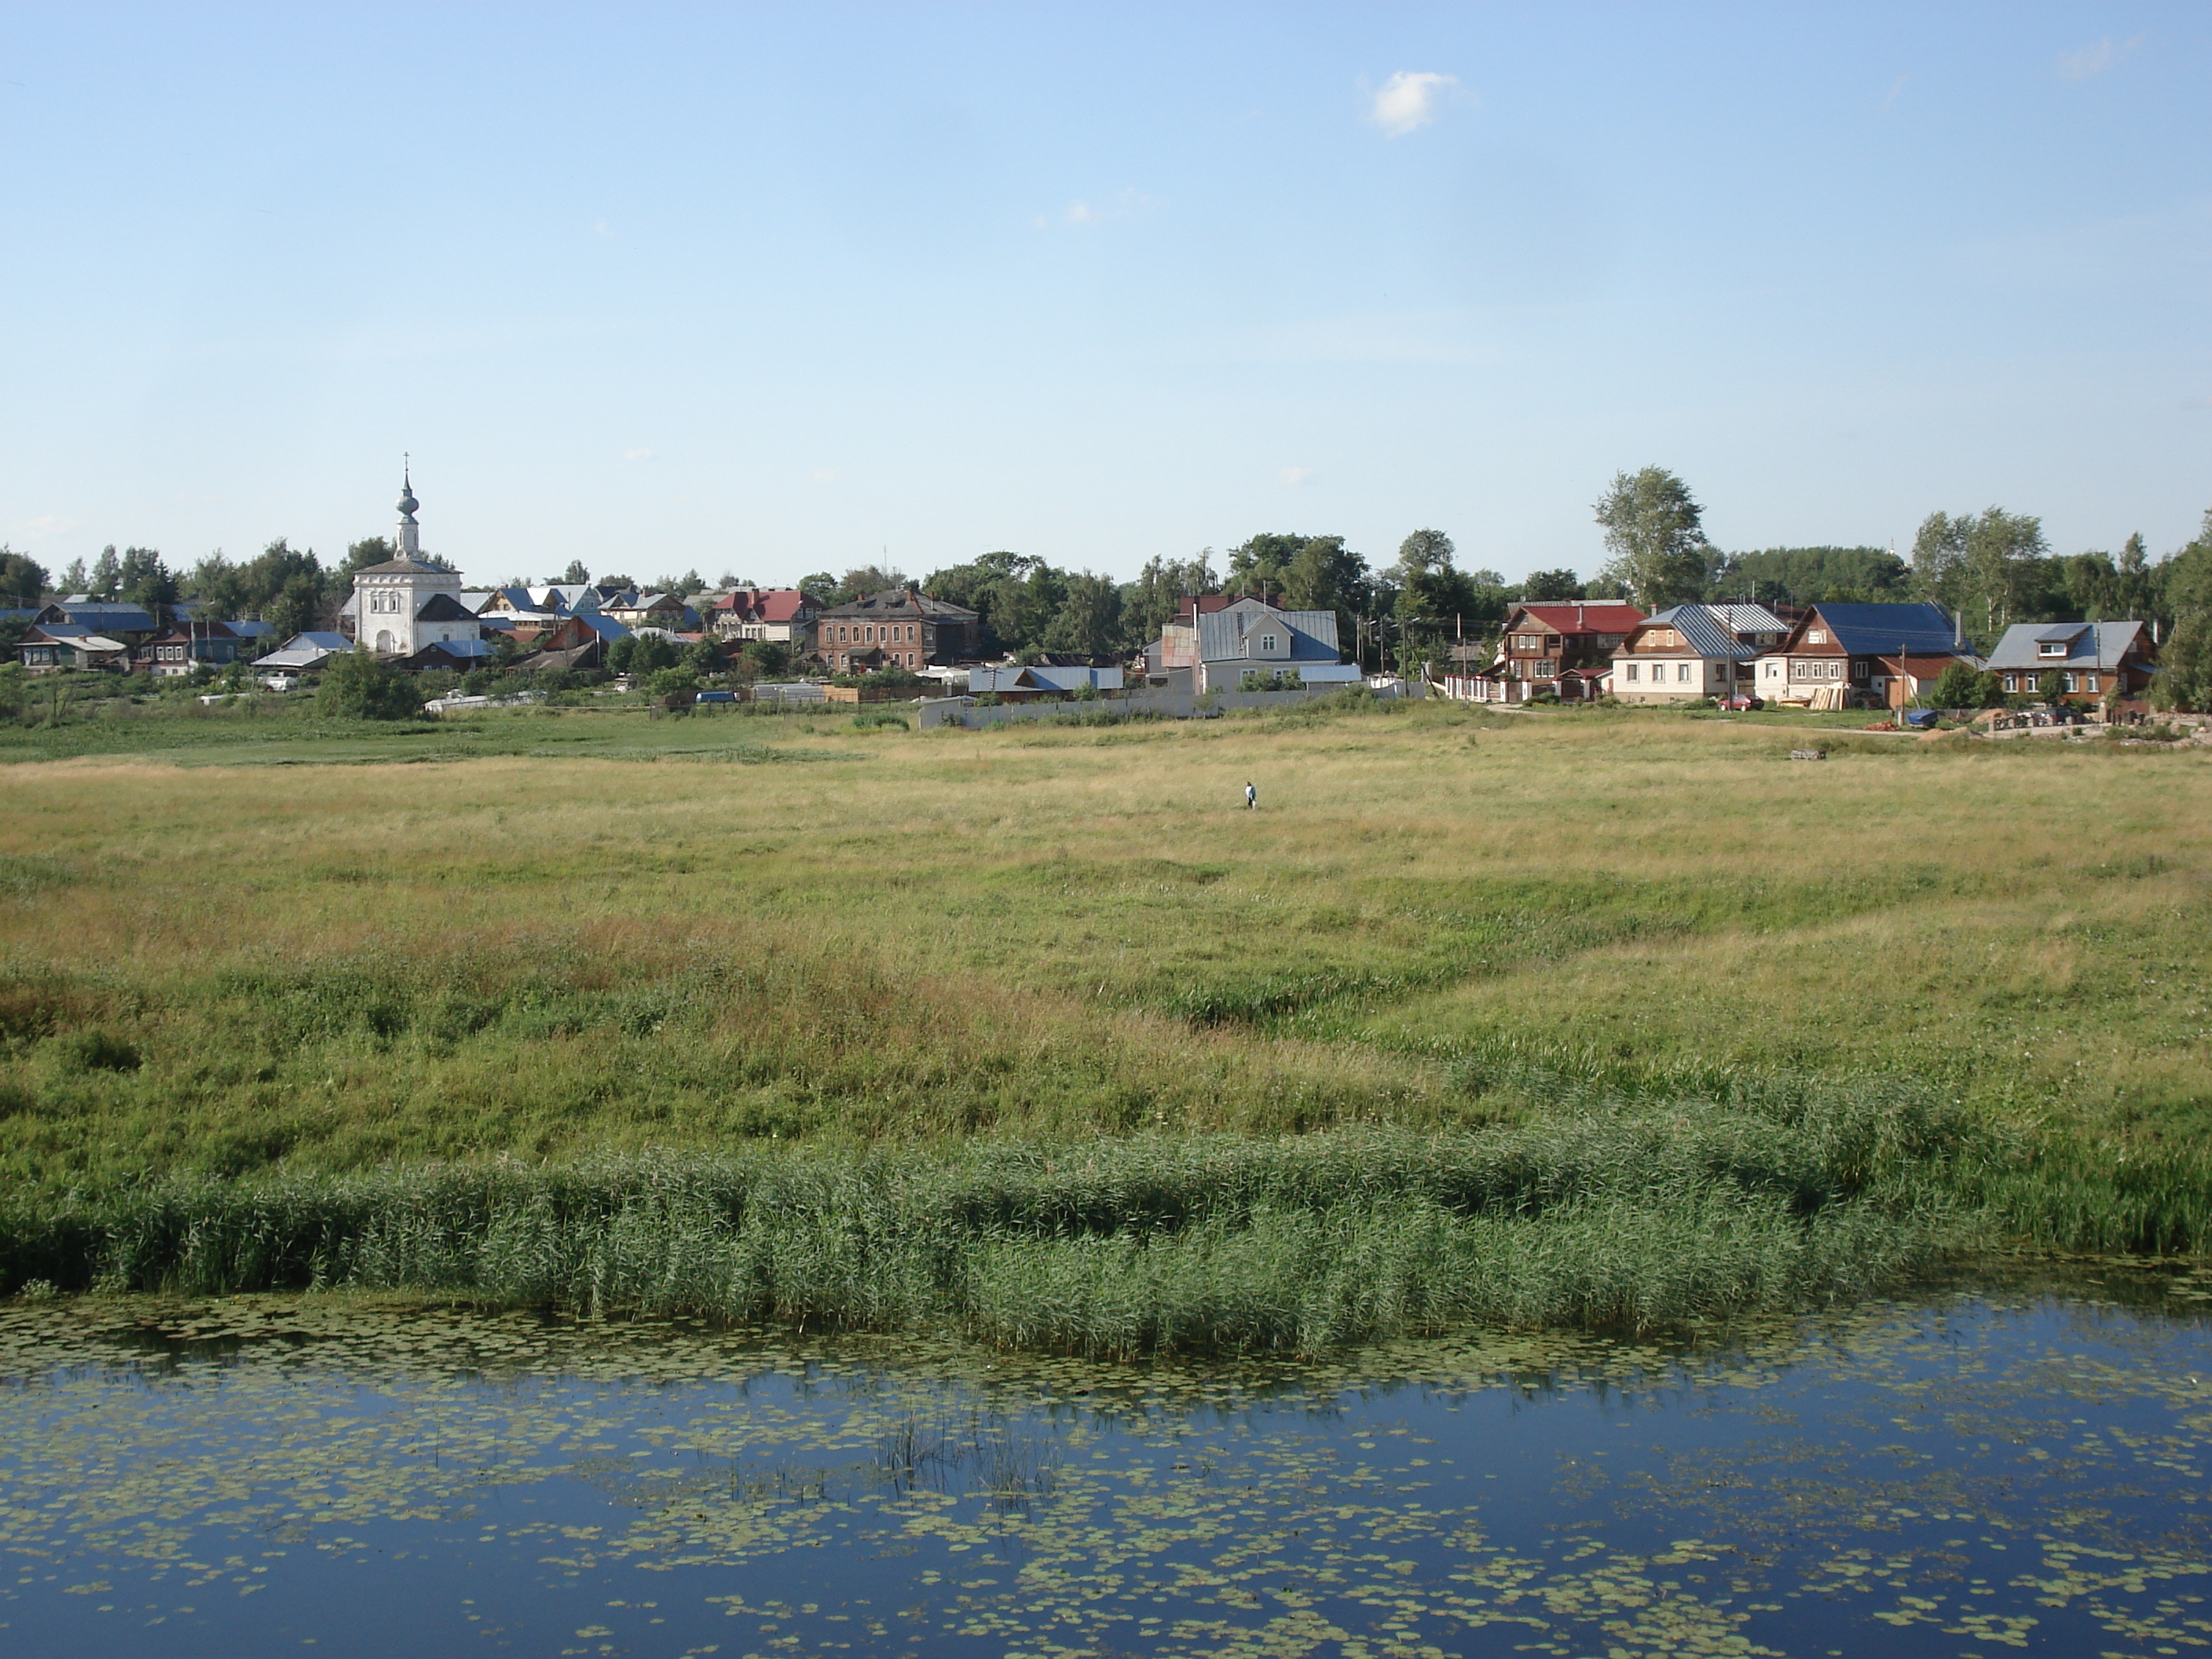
{"x": 1741, "y": 703}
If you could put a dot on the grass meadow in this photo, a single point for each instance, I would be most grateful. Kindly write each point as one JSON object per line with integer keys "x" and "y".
{"x": 582, "y": 941}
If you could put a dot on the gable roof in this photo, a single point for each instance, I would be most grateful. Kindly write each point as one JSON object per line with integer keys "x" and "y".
{"x": 1222, "y": 634}
{"x": 1583, "y": 617}
{"x": 1873, "y": 629}
{"x": 119, "y": 618}
{"x": 1749, "y": 619}
{"x": 2089, "y": 645}
{"x": 1700, "y": 630}
{"x": 444, "y": 607}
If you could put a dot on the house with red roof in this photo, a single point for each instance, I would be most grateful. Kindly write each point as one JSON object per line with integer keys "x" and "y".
{"x": 781, "y": 614}
{"x": 1566, "y": 648}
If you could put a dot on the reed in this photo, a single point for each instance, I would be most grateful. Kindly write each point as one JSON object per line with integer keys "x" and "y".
{"x": 1627, "y": 1215}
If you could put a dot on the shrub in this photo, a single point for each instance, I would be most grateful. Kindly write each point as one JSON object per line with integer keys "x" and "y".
{"x": 361, "y": 685}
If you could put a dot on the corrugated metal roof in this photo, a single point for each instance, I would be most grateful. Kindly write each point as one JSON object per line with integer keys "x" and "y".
{"x": 1749, "y": 618}
{"x": 1871, "y": 629}
{"x": 2094, "y": 645}
{"x": 1702, "y": 631}
{"x": 1222, "y": 634}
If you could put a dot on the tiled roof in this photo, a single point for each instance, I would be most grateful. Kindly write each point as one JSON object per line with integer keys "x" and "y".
{"x": 1586, "y": 618}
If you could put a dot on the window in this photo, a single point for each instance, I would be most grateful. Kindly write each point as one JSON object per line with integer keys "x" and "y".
{"x": 1634, "y": 671}
{"x": 2073, "y": 683}
{"x": 1859, "y": 669}
{"x": 1682, "y": 673}
{"x": 1773, "y": 671}
{"x": 2089, "y": 682}
{"x": 2051, "y": 647}
{"x": 2012, "y": 682}
{"x": 1817, "y": 636}
{"x": 1267, "y": 641}
{"x": 1546, "y": 669}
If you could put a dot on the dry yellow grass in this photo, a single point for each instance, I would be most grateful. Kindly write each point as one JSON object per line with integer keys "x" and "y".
{"x": 1091, "y": 913}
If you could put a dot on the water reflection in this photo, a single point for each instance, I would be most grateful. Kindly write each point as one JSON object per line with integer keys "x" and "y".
{"x": 2014, "y": 1466}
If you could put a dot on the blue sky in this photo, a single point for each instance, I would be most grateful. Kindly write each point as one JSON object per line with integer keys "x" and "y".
{"x": 770, "y": 289}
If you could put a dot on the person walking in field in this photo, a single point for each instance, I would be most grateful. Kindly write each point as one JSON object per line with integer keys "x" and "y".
{"x": 1251, "y": 799}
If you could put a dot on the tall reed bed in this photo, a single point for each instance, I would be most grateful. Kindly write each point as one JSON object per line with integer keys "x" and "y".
{"x": 1629, "y": 1217}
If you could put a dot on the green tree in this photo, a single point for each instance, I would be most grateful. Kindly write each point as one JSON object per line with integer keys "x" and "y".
{"x": 1655, "y": 531}
{"x": 765, "y": 659}
{"x": 575, "y": 575}
{"x": 2185, "y": 676}
{"x": 1992, "y": 566}
{"x": 1550, "y": 587}
{"x": 1153, "y": 601}
{"x": 22, "y": 580}
{"x": 2186, "y": 577}
{"x": 360, "y": 685}
{"x": 74, "y": 581}
{"x": 2051, "y": 686}
{"x": 1430, "y": 596}
{"x": 1961, "y": 685}
{"x": 1088, "y": 620}
{"x": 143, "y": 580}
{"x": 106, "y": 571}
{"x": 368, "y": 550}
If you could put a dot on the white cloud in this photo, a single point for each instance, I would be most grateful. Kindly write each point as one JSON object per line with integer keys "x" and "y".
{"x": 600, "y": 228}
{"x": 48, "y": 524}
{"x": 1295, "y": 475}
{"x": 2096, "y": 58}
{"x": 1409, "y": 99}
{"x": 1124, "y": 204}
{"x": 637, "y": 454}
{"x": 823, "y": 474}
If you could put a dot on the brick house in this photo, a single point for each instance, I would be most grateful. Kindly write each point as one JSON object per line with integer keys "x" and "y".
{"x": 898, "y": 628}
{"x": 2093, "y": 659}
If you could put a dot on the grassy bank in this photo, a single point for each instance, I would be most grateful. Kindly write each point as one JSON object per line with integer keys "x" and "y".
{"x": 1438, "y": 925}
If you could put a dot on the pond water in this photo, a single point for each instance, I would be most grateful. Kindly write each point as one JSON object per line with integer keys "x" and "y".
{"x": 2017, "y": 1466}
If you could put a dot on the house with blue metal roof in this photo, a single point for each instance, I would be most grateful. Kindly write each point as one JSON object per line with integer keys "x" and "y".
{"x": 1839, "y": 656}
{"x": 1682, "y": 654}
{"x": 2093, "y": 661}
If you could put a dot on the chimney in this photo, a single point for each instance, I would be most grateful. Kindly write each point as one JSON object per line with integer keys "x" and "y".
{"x": 1958, "y": 630}
{"x": 1578, "y": 619}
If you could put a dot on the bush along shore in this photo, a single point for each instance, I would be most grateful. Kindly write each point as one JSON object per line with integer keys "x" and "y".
{"x": 1636, "y": 1215}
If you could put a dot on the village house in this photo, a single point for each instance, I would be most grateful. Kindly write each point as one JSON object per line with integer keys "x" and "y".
{"x": 176, "y": 654}
{"x": 1216, "y": 640}
{"x": 579, "y": 641}
{"x": 133, "y": 624}
{"x": 301, "y": 657}
{"x": 2093, "y": 661}
{"x": 635, "y": 611}
{"x": 779, "y": 615}
{"x": 1682, "y": 654}
{"x": 1562, "y": 648}
{"x": 1841, "y": 656}
{"x": 898, "y": 628}
{"x": 1039, "y": 682}
{"x": 50, "y": 647}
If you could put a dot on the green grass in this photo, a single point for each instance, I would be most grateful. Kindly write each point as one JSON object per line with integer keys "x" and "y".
{"x": 222, "y": 977}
